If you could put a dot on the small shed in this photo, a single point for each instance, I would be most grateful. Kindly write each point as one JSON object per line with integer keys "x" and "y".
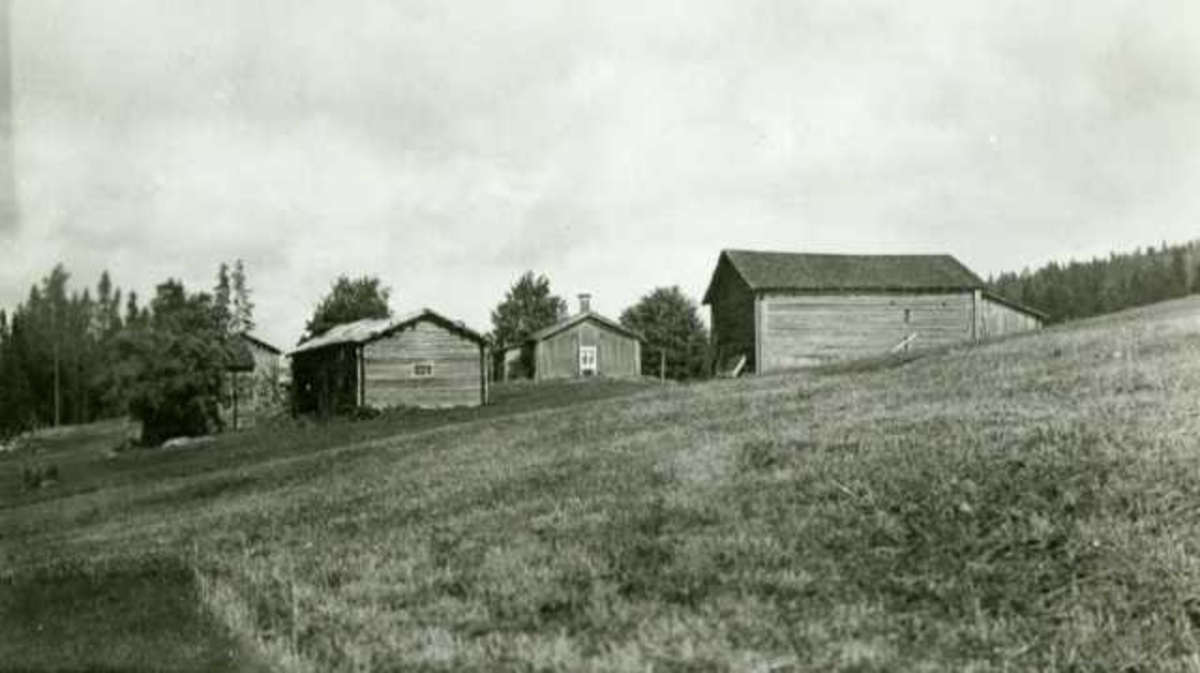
{"x": 583, "y": 345}
{"x": 778, "y": 310}
{"x": 420, "y": 360}
{"x": 252, "y": 383}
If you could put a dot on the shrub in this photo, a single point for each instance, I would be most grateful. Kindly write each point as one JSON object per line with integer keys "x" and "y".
{"x": 35, "y": 477}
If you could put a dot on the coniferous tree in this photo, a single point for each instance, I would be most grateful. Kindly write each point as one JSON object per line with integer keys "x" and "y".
{"x": 243, "y": 308}
{"x": 1177, "y": 279}
{"x": 223, "y": 299}
{"x": 1103, "y": 285}
{"x": 133, "y": 313}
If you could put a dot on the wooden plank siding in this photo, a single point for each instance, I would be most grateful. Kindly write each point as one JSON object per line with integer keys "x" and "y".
{"x": 733, "y": 313}
{"x": 998, "y": 319}
{"x": 799, "y": 330}
{"x": 617, "y": 355}
{"x": 389, "y": 369}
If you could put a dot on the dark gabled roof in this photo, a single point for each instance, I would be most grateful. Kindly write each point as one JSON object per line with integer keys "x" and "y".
{"x": 1017, "y": 306}
{"x": 260, "y": 343}
{"x": 363, "y": 331}
{"x": 568, "y": 323}
{"x": 765, "y": 271}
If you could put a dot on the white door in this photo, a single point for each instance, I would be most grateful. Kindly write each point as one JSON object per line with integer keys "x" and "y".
{"x": 587, "y": 360}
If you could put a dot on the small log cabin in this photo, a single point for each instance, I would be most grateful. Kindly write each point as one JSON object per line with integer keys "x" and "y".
{"x": 421, "y": 360}
{"x": 585, "y": 344}
{"x": 780, "y": 310}
{"x": 252, "y": 383}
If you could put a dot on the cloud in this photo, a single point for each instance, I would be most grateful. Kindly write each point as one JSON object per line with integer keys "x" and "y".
{"x": 447, "y": 147}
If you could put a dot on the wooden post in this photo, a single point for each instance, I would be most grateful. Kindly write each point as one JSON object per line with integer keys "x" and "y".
{"x": 235, "y": 400}
{"x": 57, "y": 394}
{"x": 662, "y": 365}
{"x": 362, "y": 376}
{"x": 485, "y": 360}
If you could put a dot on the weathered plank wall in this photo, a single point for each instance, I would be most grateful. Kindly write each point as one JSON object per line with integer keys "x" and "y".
{"x": 732, "y": 317}
{"x": 617, "y": 355}
{"x": 998, "y": 319}
{"x": 799, "y": 330}
{"x": 391, "y": 380}
{"x": 325, "y": 381}
{"x": 516, "y": 364}
{"x": 258, "y": 392}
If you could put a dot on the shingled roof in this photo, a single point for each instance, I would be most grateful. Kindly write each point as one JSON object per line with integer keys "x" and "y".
{"x": 261, "y": 343}
{"x": 369, "y": 329}
{"x": 567, "y": 323}
{"x": 765, "y": 271}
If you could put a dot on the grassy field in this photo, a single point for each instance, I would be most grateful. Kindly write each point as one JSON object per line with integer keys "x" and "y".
{"x": 1031, "y": 504}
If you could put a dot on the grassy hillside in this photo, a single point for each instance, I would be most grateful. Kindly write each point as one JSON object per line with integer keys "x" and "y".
{"x": 1028, "y": 504}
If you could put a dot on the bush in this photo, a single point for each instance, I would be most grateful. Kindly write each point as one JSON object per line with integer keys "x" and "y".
{"x": 35, "y": 477}
{"x": 173, "y": 368}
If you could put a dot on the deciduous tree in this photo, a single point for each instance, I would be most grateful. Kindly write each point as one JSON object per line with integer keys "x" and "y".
{"x": 674, "y": 335}
{"x": 349, "y": 300}
{"x": 528, "y": 306}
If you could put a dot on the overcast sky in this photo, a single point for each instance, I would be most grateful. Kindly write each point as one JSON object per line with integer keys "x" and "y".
{"x": 448, "y": 146}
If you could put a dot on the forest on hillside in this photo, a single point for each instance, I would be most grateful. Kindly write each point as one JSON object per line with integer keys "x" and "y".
{"x": 74, "y": 356}
{"x": 1081, "y": 289}
{"x": 71, "y": 356}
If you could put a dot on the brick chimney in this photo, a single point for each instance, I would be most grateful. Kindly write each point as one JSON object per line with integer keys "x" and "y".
{"x": 585, "y": 303}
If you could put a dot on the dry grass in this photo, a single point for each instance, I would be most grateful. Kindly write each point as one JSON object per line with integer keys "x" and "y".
{"x": 1032, "y": 504}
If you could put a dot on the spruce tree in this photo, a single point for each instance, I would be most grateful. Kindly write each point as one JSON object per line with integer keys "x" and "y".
{"x": 222, "y": 300}
{"x": 243, "y": 308}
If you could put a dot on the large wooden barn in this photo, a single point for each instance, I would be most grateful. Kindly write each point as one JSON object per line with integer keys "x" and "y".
{"x": 585, "y": 344}
{"x": 780, "y": 310}
{"x": 421, "y": 360}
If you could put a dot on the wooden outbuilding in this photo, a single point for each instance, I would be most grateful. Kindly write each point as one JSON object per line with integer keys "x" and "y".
{"x": 583, "y": 345}
{"x": 252, "y": 383}
{"x": 779, "y": 310}
{"x": 421, "y": 360}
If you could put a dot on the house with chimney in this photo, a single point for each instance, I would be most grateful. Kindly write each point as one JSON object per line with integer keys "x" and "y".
{"x": 583, "y": 345}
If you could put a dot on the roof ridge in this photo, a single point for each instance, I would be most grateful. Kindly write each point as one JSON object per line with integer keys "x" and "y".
{"x": 572, "y": 319}
{"x": 373, "y": 328}
{"x": 840, "y": 254}
{"x": 763, "y": 270}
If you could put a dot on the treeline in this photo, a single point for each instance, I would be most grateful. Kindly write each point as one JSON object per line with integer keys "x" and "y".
{"x": 674, "y": 338}
{"x": 57, "y": 353}
{"x": 76, "y": 356}
{"x": 1105, "y": 285}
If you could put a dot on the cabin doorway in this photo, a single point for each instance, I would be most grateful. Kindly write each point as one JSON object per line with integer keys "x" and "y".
{"x": 587, "y": 360}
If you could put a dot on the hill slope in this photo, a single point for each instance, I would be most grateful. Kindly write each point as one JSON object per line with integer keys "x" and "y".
{"x": 1028, "y": 504}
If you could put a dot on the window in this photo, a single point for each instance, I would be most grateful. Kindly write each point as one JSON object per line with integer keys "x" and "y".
{"x": 423, "y": 370}
{"x": 587, "y": 360}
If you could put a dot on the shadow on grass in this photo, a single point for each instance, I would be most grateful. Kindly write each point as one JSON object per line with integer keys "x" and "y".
{"x": 145, "y": 618}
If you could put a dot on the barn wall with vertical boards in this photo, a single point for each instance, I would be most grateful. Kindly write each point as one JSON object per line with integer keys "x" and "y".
{"x": 389, "y": 367}
{"x": 799, "y": 330}
{"x": 252, "y": 386}
{"x": 998, "y": 319}
{"x": 617, "y": 355}
{"x": 732, "y": 317}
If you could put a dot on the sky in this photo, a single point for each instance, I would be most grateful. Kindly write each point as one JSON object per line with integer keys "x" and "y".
{"x": 447, "y": 147}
